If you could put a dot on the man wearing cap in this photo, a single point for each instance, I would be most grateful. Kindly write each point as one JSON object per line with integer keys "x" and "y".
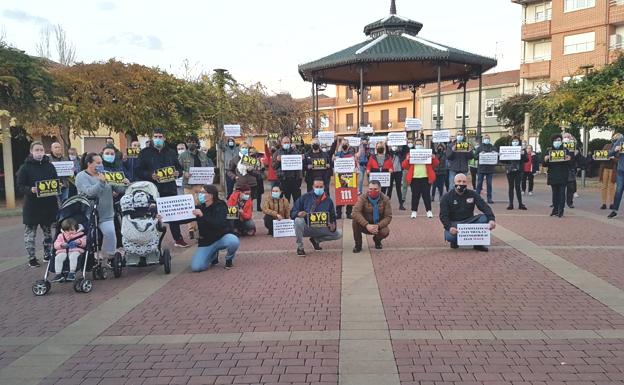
{"x": 159, "y": 157}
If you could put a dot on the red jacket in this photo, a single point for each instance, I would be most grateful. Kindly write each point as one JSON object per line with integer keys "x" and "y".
{"x": 268, "y": 162}
{"x": 247, "y": 211}
{"x": 373, "y": 166}
{"x": 430, "y": 169}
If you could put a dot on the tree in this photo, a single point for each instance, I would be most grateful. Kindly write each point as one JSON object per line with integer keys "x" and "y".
{"x": 65, "y": 50}
{"x": 545, "y": 134}
{"x": 512, "y": 110}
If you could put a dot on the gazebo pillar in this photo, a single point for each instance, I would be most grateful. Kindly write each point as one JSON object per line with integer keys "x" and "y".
{"x": 317, "y": 122}
{"x": 438, "y": 121}
{"x": 479, "y": 106}
{"x": 361, "y": 96}
{"x": 358, "y": 91}
{"x": 313, "y": 107}
{"x": 464, "y": 83}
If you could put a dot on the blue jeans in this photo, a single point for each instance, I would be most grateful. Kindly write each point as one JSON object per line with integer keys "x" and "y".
{"x": 619, "y": 189}
{"x": 361, "y": 178}
{"x": 481, "y": 218}
{"x": 488, "y": 182}
{"x": 203, "y": 257}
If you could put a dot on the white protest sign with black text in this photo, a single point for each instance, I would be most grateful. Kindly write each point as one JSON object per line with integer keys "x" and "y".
{"x": 366, "y": 129}
{"x": 344, "y": 165}
{"x": 176, "y": 208}
{"x": 441, "y": 136}
{"x": 326, "y": 137}
{"x": 284, "y": 228}
{"x": 397, "y": 138}
{"x": 488, "y": 158}
{"x": 382, "y": 177}
{"x": 473, "y": 234}
{"x": 232, "y": 130}
{"x": 510, "y": 152}
{"x": 292, "y": 162}
{"x": 65, "y": 168}
{"x": 201, "y": 175}
{"x": 354, "y": 141}
{"x": 421, "y": 156}
{"x": 413, "y": 124}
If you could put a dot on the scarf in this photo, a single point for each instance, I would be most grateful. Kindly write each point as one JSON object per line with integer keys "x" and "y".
{"x": 375, "y": 204}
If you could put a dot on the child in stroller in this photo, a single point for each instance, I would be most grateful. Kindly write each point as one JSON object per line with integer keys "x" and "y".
{"x": 70, "y": 243}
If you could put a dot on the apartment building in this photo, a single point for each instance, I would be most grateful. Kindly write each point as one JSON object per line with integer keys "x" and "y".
{"x": 565, "y": 39}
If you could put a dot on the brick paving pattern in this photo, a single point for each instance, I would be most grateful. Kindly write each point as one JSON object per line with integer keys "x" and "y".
{"x": 606, "y": 264}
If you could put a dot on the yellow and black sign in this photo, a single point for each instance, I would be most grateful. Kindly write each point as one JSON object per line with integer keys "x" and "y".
{"x": 557, "y": 155}
{"x": 319, "y": 164}
{"x": 133, "y": 152}
{"x": 48, "y": 188}
{"x": 319, "y": 219}
{"x": 166, "y": 174}
{"x": 297, "y": 139}
{"x": 346, "y": 180}
{"x": 570, "y": 146}
{"x": 471, "y": 132}
{"x": 249, "y": 161}
{"x": 115, "y": 178}
{"x": 462, "y": 147}
{"x": 601, "y": 155}
{"x": 232, "y": 212}
{"x": 273, "y": 136}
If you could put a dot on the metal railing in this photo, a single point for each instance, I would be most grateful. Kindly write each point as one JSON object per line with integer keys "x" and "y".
{"x": 614, "y": 3}
{"x": 534, "y": 60}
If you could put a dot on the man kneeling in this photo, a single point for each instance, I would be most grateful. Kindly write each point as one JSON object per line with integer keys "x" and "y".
{"x": 372, "y": 215}
{"x": 457, "y": 206}
{"x": 241, "y": 199}
{"x": 315, "y": 217}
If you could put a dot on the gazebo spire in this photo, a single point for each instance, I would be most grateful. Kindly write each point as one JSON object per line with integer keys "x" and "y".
{"x": 393, "y": 7}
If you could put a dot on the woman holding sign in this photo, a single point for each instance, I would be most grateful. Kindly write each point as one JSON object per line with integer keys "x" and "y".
{"x": 420, "y": 177}
{"x": 557, "y": 159}
{"x": 40, "y": 207}
{"x": 514, "y": 175}
{"x": 114, "y": 173}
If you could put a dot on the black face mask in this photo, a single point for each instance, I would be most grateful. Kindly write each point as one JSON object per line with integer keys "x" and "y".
{"x": 460, "y": 188}
{"x": 273, "y": 150}
{"x": 345, "y": 147}
{"x": 315, "y": 147}
{"x": 380, "y": 150}
{"x": 192, "y": 147}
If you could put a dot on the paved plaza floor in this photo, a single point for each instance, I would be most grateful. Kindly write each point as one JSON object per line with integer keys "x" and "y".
{"x": 544, "y": 306}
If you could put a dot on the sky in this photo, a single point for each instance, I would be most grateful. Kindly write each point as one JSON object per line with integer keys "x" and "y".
{"x": 257, "y": 41}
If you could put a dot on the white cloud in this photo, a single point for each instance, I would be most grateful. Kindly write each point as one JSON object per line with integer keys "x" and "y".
{"x": 144, "y": 41}
{"x": 25, "y": 17}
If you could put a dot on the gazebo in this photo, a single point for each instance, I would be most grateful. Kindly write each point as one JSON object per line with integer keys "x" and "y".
{"x": 394, "y": 54}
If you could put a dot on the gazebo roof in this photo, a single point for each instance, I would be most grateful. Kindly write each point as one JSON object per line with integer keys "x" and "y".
{"x": 395, "y": 54}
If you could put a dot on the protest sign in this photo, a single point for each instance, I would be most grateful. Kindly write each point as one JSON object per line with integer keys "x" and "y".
{"x": 354, "y": 141}
{"x": 413, "y": 124}
{"x": 488, "y": 158}
{"x": 510, "y": 152}
{"x": 201, "y": 175}
{"x": 273, "y": 136}
{"x": 441, "y": 136}
{"x": 366, "y": 129}
{"x": 346, "y": 188}
{"x": 65, "y": 168}
{"x": 319, "y": 164}
{"x": 382, "y": 177}
{"x": 165, "y": 174}
{"x": 326, "y": 137}
{"x": 557, "y": 155}
{"x": 292, "y": 162}
{"x": 249, "y": 161}
{"x": 397, "y": 138}
{"x": 462, "y": 147}
{"x": 176, "y": 208}
{"x": 297, "y": 140}
{"x": 232, "y": 130}
{"x": 115, "y": 178}
{"x": 48, "y": 188}
{"x": 421, "y": 156}
{"x": 373, "y": 140}
{"x": 473, "y": 234}
{"x": 319, "y": 219}
{"x": 601, "y": 155}
{"x": 133, "y": 152}
{"x": 284, "y": 228}
{"x": 232, "y": 212}
{"x": 179, "y": 182}
{"x": 471, "y": 132}
{"x": 570, "y": 146}
{"x": 344, "y": 165}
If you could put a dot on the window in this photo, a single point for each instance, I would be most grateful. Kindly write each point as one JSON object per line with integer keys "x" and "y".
{"x": 349, "y": 93}
{"x": 583, "y": 42}
{"x": 385, "y": 92}
{"x": 574, "y": 78}
{"x": 575, "y": 5}
{"x": 402, "y": 112}
{"x": 365, "y": 121}
{"x": 349, "y": 120}
{"x": 324, "y": 121}
{"x": 492, "y": 107}
{"x": 434, "y": 112}
{"x": 459, "y": 106}
{"x": 536, "y": 52}
{"x": 543, "y": 12}
{"x": 385, "y": 119}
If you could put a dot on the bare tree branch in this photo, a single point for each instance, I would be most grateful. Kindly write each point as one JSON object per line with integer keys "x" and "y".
{"x": 43, "y": 46}
{"x": 65, "y": 49}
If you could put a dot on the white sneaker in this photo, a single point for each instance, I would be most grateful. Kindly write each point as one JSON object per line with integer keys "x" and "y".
{"x": 414, "y": 214}
{"x": 576, "y": 195}
{"x": 523, "y": 193}
{"x": 429, "y": 214}
{"x": 530, "y": 192}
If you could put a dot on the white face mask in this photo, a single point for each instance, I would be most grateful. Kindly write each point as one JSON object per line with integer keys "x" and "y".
{"x": 180, "y": 152}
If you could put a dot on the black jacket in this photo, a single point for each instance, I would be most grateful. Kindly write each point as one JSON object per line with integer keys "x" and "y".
{"x": 311, "y": 173}
{"x": 485, "y": 168}
{"x": 516, "y": 165}
{"x": 213, "y": 225}
{"x": 558, "y": 172}
{"x": 456, "y": 208}
{"x": 37, "y": 211}
{"x": 277, "y": 165}
{"x": 152, "y": 159}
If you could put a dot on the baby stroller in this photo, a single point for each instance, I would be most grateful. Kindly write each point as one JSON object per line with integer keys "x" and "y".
{"x": 84, "y": 211}
{"x": 142, "y": 232}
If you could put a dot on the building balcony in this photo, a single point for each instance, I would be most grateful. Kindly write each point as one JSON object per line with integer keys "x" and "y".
{"x": 616, "y": 11}
{"x": 534, "y": 70}
{"x": 378, "y": 127}
{"x": 536, "y": 31}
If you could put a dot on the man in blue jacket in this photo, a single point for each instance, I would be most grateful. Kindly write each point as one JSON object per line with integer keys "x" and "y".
{"x": 315, "y": 217}
{"x": 616, "y": 151}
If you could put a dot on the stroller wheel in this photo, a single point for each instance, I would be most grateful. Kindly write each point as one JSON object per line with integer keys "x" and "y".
{"x": 116, "y": 264}
{"x": 103, "y": 272}
{"x": 96, "y": 273}
{"x": 166, "y": 259}
{"x": 86, "y": 286}
{"x": 41, "y": 287}
{"x": 78, "y": 285}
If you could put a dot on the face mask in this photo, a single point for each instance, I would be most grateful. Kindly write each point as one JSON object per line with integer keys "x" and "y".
{"x": 557, "y": 144}
{"x": 460, "y": 138}
{"x": 72, "y": 157}
{"x": 324, "y": 149}
{"x": 244, "y": 151}
{"x": 108, "y": 158}
{"x": 201, "y": 198}
{"x": 373, "y": 194}
{"x": 37, "y": 156}
{"x": 486, "y": 141}
{"x": 231, "y": 144}
{"x": 99, "y": 169}
{"x": 515, "y": 143}
{"x": 180, "y": 152}
{"x": 410, "y": 145}
{"x": 319, "y": 191}
{"x": 418, "y": 147}
{"x": 286, "y": 146}
{"x": 159, "y": 142}
{"x": 460, "y": 188}
{"x": 245, "y": 197}
{"x": 273, "y": 150}
{"x": 192, "y": 146}
{"x": 345, "y": 147}
{"x": 275, "y": 195}
{"x": 315, "y": 147}
{"x": 394, "y": 148}
{"x": 380, "y": 150}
